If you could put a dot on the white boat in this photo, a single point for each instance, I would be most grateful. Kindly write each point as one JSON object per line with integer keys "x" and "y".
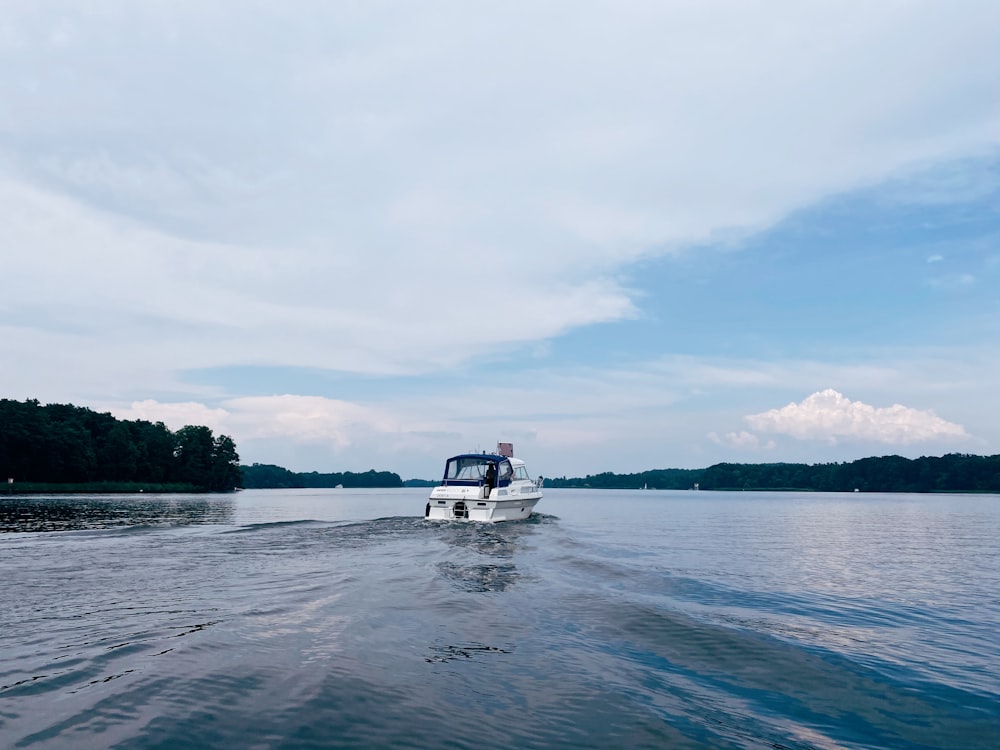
{"x": 485, "y": 487}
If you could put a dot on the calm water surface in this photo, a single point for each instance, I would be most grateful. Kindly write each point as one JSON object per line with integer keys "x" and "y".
{"x": 340, "y": 618}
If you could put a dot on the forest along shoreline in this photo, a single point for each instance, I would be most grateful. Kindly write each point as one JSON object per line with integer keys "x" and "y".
{"x": 67, "y": 449}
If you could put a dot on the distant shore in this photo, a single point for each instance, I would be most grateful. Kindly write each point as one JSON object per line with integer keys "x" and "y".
{"x": 98, "y": 488}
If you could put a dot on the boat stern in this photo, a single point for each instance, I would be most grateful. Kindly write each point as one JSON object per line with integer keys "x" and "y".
{"x": 471, "y": 504}
{"x": 448, "y": 503}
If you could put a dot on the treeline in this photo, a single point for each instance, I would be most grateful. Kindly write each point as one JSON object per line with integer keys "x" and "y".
{"x": 270, "y": 477}
{"x": 72, "y": 446}
{"x": 660, "y": 479}
{"x": 421, "y": 482}
{"x": 955, "y": 472}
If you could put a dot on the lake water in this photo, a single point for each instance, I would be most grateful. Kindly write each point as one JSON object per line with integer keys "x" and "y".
{"x": 340, "y": 618}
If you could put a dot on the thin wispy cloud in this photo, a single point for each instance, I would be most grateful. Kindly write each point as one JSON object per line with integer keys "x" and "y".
{"x": 953, "y": 280}
{"x": 742, "y": 440}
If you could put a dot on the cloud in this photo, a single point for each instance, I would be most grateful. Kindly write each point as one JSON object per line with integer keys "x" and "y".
{"x": 338, "y": 188}
{"x": 265, "y": 306}
{"x": 574, "y": 421}
{"x": 308, "y": 419}
{"x": 953, "y": 280}
{"x": 299, "y": 418}
{"x": 178, "y": 414}
{"x": 409, "y": 192}
{"x": 828, "y": 415}
{"x": 743, "y": 440}
{"x": 961, "y": 181}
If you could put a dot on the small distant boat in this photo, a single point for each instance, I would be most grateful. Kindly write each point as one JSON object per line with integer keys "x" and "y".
{"x": 486, "y": 487}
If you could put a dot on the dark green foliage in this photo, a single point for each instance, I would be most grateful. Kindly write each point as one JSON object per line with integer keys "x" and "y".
{"x": 267, "y": 476}
{"x": 656, "y": 479}
{"x": 370, "y": 478}
{"x": 193, "y": 455}
{"x": 226, "y": 473}
{"x": 62, "y": 444}
{"x": 956, "y": 472}
{"x": 421, "y": 482}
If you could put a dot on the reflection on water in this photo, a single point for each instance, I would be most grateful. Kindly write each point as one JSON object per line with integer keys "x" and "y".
{"x": 485, "y": 577}
{"x": 493, "y": 539}
{"x": 497, "y": 542}
{"x": 450, "y": 653}
{"x": 79, "y": 512}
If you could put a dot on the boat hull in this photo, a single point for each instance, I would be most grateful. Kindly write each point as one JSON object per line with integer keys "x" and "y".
{"x": 491, "y": 510}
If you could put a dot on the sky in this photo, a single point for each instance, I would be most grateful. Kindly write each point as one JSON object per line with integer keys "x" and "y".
{"x": 621, "y": 235}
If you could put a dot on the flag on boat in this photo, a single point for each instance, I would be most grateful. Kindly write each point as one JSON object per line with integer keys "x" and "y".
{"x": 505, "y": 449}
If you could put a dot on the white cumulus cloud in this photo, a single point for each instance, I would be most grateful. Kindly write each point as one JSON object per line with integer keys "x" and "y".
{"x": 176, "y": 415}
{"x": 829, "y": 415}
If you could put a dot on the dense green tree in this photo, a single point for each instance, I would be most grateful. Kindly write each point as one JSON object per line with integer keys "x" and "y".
{"x": 193, "y": 447}
{"x": 62, "y": 443}
{"x": 117, "y": 453}
{"x": 226, "y": 472}
{"x": 155, "y": 446}
{"x": 69, "y": 454}
{"x": 269, "y": 477}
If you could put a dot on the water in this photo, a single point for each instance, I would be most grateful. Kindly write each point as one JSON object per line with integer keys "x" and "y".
{"x": 340, "y": 618}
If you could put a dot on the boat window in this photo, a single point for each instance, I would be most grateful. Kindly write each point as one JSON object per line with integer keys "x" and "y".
{"x": 505, "y": 470}
{"x": 521, "y": 472}
{"x": 465, "y": 468}
{"x": 473, "y": 471}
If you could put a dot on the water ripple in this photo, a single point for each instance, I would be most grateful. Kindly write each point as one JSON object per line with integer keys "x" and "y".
{"x": 684, "y": 622}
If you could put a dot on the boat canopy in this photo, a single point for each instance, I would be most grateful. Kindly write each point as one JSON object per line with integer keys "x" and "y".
{"x": 478, "y": 468}
{"x": 470, "y": 467}
{"x": 485, "y": 457}
{"x": 474, "y": 468}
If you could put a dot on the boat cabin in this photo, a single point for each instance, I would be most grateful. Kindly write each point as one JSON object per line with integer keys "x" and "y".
{"x": 477, "y": 469}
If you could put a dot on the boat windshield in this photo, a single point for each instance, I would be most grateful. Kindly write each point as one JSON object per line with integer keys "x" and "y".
{"x": 466, "y": 467}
